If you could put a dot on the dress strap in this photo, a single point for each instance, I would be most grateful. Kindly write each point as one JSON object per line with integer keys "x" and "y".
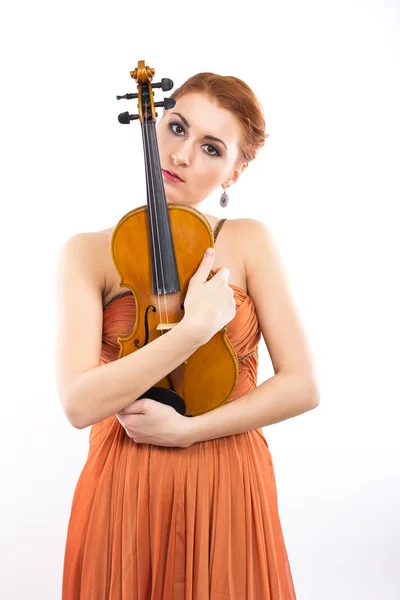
{"x": 217, "y": 228}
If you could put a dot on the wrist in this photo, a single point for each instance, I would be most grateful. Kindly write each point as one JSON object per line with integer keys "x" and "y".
{"x": 190, "y": 432}
{"x": 192, "y": 332}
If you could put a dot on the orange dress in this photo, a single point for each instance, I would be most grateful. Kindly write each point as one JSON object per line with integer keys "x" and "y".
{"x": 162, "y": 523}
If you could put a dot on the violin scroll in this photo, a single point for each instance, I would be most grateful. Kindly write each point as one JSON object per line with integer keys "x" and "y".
{"x": 143, "y": 75}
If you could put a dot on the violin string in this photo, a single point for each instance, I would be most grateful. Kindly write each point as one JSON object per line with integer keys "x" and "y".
{"x": 152, "y": 196}
{"x": 158, "y": 233}
{"x": 149, "y": 213}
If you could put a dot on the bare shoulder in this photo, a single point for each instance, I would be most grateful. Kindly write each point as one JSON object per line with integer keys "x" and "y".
{"x": 86, "y": 250}
{"x": 257, "y": 244}
{"x": 245, "y": 235}
{"x": 242, "y": 228}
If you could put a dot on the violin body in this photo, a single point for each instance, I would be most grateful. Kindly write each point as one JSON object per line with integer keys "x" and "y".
{"x": 208, "y": 377}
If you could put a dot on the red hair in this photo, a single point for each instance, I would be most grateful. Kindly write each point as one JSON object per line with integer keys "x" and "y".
{"x": 236, "y": 96}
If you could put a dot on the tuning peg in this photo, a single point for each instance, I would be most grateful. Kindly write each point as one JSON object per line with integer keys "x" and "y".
{"x": 125, "y": 118}
{"x": 127, "y": 97}
{"x": 167, "y": 103}
{"x": 165, "y": 84}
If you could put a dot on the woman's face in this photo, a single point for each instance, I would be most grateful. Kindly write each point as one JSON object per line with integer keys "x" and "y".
{"x": 199, "y": 142}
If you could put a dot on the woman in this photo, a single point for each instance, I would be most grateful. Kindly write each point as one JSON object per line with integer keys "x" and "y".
{"x": 169, "y": 507}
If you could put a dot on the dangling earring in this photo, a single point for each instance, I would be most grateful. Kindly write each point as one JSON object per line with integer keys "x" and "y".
{"x": 224, "y": 198}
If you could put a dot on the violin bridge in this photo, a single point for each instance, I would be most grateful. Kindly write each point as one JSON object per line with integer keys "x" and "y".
{"x": 165, "y": 326}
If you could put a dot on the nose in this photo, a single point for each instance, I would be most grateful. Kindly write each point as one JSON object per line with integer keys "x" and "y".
{"x": 181, "y": 156}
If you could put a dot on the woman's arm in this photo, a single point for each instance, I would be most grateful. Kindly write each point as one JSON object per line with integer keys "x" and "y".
{"x": 281, "y": 397}
{"x": 90, "y": 392}
{"x": 293, "y": 389}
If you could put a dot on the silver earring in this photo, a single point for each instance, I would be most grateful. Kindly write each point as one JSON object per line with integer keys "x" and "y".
{"x": 224, "y": 198}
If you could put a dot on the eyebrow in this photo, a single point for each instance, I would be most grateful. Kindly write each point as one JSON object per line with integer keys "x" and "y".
{"x": 207, "y": 137}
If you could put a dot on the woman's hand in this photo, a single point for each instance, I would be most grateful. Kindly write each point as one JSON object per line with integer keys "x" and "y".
{"x": 149, "y": 422}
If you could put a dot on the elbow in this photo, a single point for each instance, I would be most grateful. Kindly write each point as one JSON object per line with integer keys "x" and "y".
{"x": 72, "y": 406}
{"x": 313, "y": 393}
{"x": 78, "y": 424}
{"x": 74, "y": 418}
{"x": 309, "y": 390}
{"x": 73, "y": 414}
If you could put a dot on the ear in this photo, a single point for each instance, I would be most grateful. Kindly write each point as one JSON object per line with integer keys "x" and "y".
{"x": 235, "y": 175}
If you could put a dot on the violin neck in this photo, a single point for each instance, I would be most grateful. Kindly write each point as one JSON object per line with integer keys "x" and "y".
{"x": 164, "y": 268}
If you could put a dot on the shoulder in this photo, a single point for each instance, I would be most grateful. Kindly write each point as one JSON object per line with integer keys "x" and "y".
{"x": 85, "y": 251}
{"x": 87, "y": 243}
{"x": 246, "y": 227}
{"x": 240, "y": 230}
{"x": 254, "y": 238}
{"x": 250, "y": 226}
{"x": 261, "y": 256}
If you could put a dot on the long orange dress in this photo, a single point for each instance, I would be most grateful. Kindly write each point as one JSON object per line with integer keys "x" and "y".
{"x": 162, "y": 523}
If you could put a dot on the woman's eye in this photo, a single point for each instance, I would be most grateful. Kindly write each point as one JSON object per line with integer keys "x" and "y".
{"x": 214, "y": 151}
{"x": 179, "y": 129}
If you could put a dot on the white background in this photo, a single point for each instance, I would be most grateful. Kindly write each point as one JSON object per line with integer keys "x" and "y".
{"x": 326, "y": 183}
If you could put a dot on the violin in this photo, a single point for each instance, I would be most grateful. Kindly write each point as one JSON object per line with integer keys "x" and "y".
{"x": 156, "y": 249}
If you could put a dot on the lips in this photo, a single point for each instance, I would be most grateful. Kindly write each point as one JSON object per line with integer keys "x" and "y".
{"x": 171, "y": 176}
